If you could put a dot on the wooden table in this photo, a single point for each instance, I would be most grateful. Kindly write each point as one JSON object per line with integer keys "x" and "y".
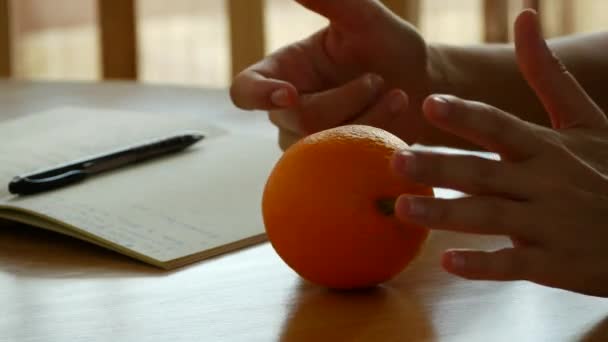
{"x": 53, "y": 288}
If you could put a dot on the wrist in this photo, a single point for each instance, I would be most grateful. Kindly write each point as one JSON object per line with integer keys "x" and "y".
{"x": 439, "y": 70}
{"x": 441, "y": 76}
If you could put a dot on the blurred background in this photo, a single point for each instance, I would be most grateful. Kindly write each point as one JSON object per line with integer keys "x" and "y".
{"x": 187, "y": 42}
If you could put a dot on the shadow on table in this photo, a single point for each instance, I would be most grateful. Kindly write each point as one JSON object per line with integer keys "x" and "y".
{"x": 599, "y": 332}
{"x": 377, "y": 314}
{"x": 33, "y": 252}
{"x": 397, "y": 311}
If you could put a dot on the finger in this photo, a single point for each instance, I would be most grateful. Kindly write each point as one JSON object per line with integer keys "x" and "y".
{"x": 562, "y": 96}
{"x": 287, "y": 138}
{"x": 484, "y": 125}
{"x": 349, "y": 14}
{"x": 479, "y": 215}
{"x": 252, "y": 90}
{"x": 381, "y": 115}
{"x": 391, "y": 105}
{"x": 285, "y": 120}
{"x": 469, "y": 174}
{"x": 504, "y": 264}
{"x": 330, "y": 108}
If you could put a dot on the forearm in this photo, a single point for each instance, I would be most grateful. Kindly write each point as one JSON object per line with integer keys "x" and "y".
{"x": 489, "y": 73}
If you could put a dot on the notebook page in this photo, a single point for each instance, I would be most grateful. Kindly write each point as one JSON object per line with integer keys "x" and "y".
{"x": 174, "y": 207}
{"x": 61, "y": 135}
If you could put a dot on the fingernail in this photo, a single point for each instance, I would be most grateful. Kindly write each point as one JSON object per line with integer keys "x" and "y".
{"x": 280, "y": 97}
{"x": 405, "y": 162}
{"x": 457, "y": 260}
{"x": 375, "y": 82}
{"x": 441, "y": 106}
{"x": 411, "y": 207}
{"x": 396, "y": 102}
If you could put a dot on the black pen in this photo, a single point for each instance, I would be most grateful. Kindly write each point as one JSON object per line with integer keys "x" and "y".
{"x": 76, "y": 171}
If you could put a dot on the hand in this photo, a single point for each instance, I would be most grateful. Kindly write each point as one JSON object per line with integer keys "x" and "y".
{"x": 548, "y": 193}
{"x": 356, "y": 70}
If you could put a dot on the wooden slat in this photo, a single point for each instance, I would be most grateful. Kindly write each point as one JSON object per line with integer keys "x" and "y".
{"x": 406, "y": 9}
{"x": 247, "y": 35}
{"x": 496, "y": 21}
{"x": 567, "y": 25}
{"x": 5, "y": 39}
{"x": 534, "y": 4}
{"x": 118, "y": 37}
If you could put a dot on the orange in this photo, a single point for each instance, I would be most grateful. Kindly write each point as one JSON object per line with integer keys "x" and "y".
{"x": 327, "y": 208}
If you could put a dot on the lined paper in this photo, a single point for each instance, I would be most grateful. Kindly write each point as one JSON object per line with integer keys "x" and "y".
{"x": 169, "y": 208}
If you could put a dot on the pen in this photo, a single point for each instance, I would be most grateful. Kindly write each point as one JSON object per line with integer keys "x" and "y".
{"x": 76, "y": 171}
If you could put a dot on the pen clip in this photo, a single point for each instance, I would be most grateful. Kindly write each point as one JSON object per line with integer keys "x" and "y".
{"x": 27, "y": 185}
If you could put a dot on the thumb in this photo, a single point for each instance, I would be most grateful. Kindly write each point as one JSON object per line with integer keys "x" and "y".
{"x": 348, "y": 14}
{"x": 562, "y": 96}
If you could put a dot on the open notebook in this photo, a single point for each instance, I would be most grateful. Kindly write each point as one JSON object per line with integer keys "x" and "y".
{"x": 168, "y": 212}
